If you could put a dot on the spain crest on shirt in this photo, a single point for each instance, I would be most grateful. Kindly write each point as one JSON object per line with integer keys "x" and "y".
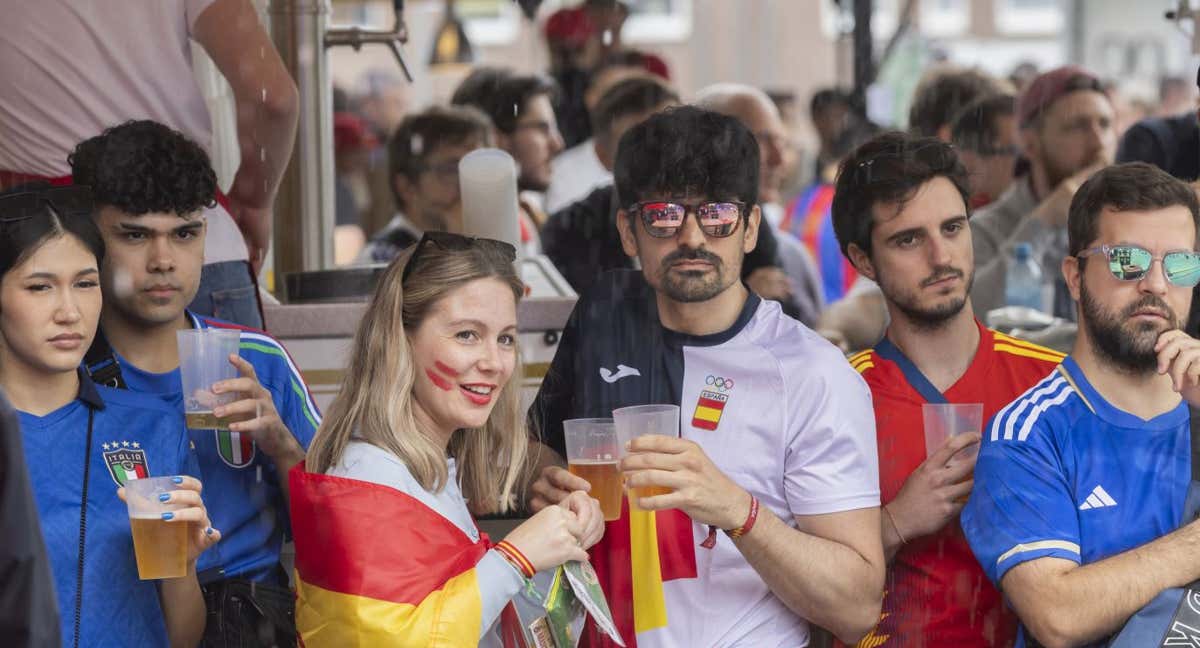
{"x": 236, "y": 448}
{"x": 711, "y": 403}
{"x": 126, "y": 461}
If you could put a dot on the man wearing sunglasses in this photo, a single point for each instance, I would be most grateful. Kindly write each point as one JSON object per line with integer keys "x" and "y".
{"x": 776, "y": 443}
{"x": 1080, "y": 484}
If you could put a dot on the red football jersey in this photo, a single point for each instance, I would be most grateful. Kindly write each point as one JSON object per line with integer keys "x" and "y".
{"x": 935, "y": 593}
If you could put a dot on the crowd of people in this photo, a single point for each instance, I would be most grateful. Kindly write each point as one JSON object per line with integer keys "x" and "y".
{"x": 802, "y": 335}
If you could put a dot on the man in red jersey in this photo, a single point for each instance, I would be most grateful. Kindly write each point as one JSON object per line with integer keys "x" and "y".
{"x": 900, "y": 213}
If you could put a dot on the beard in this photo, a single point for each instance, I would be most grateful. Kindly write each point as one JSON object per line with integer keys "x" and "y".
{"x": 927, "y": 317}
{"x": 693, "y": 286}
{"x": 1117, "y": 339}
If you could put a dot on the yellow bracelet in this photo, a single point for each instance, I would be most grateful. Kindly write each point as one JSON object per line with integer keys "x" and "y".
{"x": 895, "y": 528}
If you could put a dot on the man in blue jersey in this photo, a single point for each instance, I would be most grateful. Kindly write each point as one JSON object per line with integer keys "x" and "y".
{"x": 776, "y": 438}
{"x": 150, "y": 184}
{"x": 1080, "y": 484}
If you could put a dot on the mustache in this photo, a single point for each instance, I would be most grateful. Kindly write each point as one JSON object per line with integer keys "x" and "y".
{"x": 1151, "y": 301}
{"x": 943, "y": 272}
{"x": 685, "y": 254}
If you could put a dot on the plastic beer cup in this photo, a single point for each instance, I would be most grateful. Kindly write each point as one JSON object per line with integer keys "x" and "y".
{"x": 592, "y": 453}
{"x": 203, "y": 361}
{"x": 945, "y": 420}
{"x": 160, "y": 547}
{"x": 640, "y": 420}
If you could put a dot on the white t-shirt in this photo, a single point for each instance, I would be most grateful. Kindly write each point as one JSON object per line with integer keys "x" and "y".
{"x": 71, "y": 68}
{"x": 574, "y": 173}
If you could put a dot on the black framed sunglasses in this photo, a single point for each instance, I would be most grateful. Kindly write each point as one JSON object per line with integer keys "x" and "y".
{"x": 1132, "y": 262}
{"x": 73, "y": 200}
{"x": 458, "y": 243}
{"x": 663, "y": 218}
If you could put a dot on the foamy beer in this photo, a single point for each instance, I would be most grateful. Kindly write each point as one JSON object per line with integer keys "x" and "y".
{"x": 640, "y": 420}
{"x": 203, "y": 361}
{"x": 592, "y": 453}
{"x": 160, "y": 546}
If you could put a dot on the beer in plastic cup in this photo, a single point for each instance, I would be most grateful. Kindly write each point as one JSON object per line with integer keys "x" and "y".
{"x": 640, "y": 420}
{"x": 160, "y": 547}
{"x": 203, "y": 361}
{"x": 592, "y": 453}
{"x": 945, "y": 420}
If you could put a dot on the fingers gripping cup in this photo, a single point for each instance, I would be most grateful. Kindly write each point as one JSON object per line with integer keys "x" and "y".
{"x": 640, "y": 420}
{"x": 592, "y": 453}
{"x": 160, "y": 546}
{"x": 946, "y": 420}
{"x": 204, "y": 360}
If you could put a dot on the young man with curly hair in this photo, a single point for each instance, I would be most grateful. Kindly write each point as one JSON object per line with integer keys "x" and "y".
{"x": 150, "y": 185}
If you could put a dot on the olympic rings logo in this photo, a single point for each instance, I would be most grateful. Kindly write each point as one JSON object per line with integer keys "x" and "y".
{"x": 722, "y": 384}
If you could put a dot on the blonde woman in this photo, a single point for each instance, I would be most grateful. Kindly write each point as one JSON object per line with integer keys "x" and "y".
{"x": 427, "y": 427}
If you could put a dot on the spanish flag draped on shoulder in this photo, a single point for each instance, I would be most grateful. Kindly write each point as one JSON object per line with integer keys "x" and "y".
{"x": 377, "y": 567}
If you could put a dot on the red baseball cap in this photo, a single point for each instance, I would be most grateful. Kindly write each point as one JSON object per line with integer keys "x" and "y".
{"x": 1047, "y": 88}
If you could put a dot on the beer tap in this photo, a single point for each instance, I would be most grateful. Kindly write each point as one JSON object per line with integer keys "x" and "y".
{"x": 356, "y": 37}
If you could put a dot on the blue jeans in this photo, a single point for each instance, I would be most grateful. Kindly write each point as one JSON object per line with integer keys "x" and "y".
{"x": 228, "y": 291}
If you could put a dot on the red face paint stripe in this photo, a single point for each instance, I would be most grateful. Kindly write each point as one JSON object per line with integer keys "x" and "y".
{"x": 438, "y": 381}
{"x": 444, "y": 369}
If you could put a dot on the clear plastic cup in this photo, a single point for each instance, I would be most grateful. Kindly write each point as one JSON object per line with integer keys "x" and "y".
{"x": 945, "y": 420}
{"x": 593, "y": 453}
{"x": 640, "y": 420}
{"x": 160, "y": 546}
{"x": 203, "y": 361}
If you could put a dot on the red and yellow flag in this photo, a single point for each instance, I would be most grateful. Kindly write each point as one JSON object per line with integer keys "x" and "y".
{"x": 639, "y": 552}
{"x": 376, "y": 567}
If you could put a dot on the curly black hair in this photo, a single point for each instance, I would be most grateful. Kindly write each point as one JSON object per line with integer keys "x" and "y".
{"x": 143, "y": 167}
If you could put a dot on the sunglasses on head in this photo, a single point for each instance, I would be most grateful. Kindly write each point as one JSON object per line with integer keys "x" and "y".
{"x": 663, "y": 219}
{"x": 458, "y": 243}
{"x": 1131, "y": 263}
{"x": 73, "y": 200}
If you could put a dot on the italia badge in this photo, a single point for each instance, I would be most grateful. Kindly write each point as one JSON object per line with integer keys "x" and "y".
{"x": 236, "y": 448}
{"x": 126, "y": 461}
{"x": 712, "y": 402}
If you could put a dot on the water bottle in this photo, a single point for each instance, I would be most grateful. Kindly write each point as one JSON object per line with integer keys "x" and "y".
{"x": 1023, "y": 282}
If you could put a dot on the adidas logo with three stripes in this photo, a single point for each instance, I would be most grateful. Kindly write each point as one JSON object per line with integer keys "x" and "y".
{"x": 1098, "y": 499}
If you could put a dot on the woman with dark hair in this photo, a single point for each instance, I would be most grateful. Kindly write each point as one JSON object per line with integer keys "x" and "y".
{"x": 83, "y": 441}
{"x": 427, "y": 428}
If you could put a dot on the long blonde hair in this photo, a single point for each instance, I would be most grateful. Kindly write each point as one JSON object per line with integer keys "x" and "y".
{"x": 375, "y": 403}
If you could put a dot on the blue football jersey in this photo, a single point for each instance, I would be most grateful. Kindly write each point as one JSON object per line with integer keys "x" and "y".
{"x": 133, "y": 436}
{"x": 1064, "y": 473}
{"x": 240, "y": 482}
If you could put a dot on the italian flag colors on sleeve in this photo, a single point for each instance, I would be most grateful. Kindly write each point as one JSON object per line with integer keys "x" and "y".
{"x": 376, "y": 567}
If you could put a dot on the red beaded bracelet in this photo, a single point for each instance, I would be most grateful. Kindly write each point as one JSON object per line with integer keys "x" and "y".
{"x": 711, "y": 540}
{"x": 514, "y": 556}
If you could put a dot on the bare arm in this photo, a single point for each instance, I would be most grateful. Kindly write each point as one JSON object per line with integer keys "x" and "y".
{"x": 856, "y": 322}
{"x": 1065, "y": 604}
{"x": 183, "y": 609}
{"x": 267, "y": 111}
{"x": 829, "y": 571}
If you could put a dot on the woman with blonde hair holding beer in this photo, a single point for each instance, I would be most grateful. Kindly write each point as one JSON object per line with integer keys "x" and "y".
{"x": 83, "y": 442}
{"x": 427, "y": 427}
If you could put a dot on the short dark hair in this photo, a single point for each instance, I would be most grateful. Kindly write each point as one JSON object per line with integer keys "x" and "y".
{"x": 687, "y": 149}
{"x": 1134, "y": 186}
{"x": 977, "y": 126}
{"x": 502, "y": 94}
{"x": 142, "y": 167}
{"x": 630, "y": 97}
{"x": 942, "y": 94}
{"x": 421, "y": 133}
{"x": 888, "y": 169}
{"x": 19, "y": 238}
{"x": 827, "y": 98}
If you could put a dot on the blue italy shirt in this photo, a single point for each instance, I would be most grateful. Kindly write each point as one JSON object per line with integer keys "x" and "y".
{"x": 133, "y": 436}
{"x": 241, "y": 486}
{"x": 1063, "y": 473}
